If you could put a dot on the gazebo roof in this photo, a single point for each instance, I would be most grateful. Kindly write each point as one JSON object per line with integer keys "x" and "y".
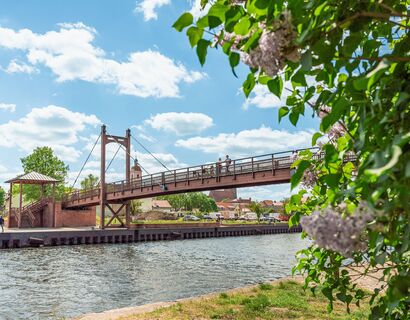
{"x": 32, "y": 178}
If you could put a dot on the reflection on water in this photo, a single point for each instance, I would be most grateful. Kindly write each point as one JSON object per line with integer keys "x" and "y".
{"x": 58, "y": 282}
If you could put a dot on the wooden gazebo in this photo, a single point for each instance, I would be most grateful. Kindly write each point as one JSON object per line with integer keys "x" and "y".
{"x": 30, "y": 178}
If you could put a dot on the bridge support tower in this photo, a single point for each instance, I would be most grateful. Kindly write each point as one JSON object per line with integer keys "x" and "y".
{"x": 115, "y": 212}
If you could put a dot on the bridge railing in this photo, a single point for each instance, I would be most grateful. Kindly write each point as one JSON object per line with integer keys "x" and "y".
{"x": 263, "y": 163}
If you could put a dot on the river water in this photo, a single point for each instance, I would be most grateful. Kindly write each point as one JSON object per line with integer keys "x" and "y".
{"x": 63, "y": 282}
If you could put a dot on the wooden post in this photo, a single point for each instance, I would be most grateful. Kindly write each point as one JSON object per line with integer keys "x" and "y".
{"x": 21, "y": 204}
{"x": 128, "y": 175}
{"x": 10, "y": 202}
{"x": 54, "y": 204}
{"x": 102, "y": 176}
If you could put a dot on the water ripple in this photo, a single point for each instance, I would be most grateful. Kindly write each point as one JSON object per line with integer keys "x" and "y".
{"x": 58, "y": 282}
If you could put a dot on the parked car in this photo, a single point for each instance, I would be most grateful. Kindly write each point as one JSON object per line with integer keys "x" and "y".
{"x": 190, "y": 217}
{"x": 215, "y": 215}
{"x": 207, "y": 217}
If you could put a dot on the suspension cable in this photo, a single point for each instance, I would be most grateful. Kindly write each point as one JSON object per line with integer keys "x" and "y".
{"x": 150, "y": 153}
{"x": 113, "y": 158}
{"x": 135, "y": 159}
{"x": 88, "y": 158}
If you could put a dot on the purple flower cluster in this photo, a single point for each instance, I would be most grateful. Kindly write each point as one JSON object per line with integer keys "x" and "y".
{"x": 331, "y": 231}
{"x": 309, "y": 178}
{"x": 275, "y": 46}
{"x": 337, "y": 130}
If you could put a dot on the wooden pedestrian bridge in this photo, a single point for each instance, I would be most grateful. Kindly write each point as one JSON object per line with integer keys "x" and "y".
{"x": 268, "y": 169}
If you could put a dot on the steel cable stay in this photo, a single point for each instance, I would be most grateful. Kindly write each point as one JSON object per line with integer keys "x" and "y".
{"x": 150, "y": 153}
{"x": 146, "y": 171}
{"x": 88, "y": 158}
{"x": 112, "y": 160}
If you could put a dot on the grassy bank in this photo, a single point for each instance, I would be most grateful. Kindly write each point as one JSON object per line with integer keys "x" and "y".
{"x": 280, "y": 300}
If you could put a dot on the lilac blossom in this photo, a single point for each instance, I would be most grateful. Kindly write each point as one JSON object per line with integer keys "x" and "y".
{"x": 331, "y": 231}
{"x": 275, "y": 47}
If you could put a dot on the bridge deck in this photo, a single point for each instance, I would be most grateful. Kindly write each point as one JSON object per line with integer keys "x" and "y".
{"x": 254, "y": 171}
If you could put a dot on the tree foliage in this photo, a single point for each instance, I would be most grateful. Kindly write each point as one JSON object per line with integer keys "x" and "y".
{"x": 136, "y": 206}
{"x": 191, "y": 201}
{"x": 347, "y": 63}
{"x": 2, "y": 198}
{"x": 43, "y": 160}
{"x": 89, "y": 182}
{"x": 257, "y": 208}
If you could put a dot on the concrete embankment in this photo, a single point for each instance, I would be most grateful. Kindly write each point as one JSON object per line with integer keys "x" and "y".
{"x": 21, "y": 238}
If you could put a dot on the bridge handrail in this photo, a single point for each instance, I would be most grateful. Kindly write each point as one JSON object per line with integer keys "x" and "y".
{"x": 191, "y": 173}
{"x": 183, "y": 170}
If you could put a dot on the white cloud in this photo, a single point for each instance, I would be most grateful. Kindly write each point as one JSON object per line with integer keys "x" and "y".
{"x": 11, "y": 107}
{"x": 260, "y": 193}
{"x": 19, "y": 67}
{"x": 147, "y": 138}
{"x": 249, "y": 142}
{"x": 153, "y": 166}
{"x": 149, "y": 7}
{"x": 262, "y": 98}
{"x": 71, "y": 55}
{"x": 197, "y": 11}
{"x": 52, "y": 126}
{"x": 180, "y": 123}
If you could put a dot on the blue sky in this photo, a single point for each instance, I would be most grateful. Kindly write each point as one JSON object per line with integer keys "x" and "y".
{"x": 66, "y": 67}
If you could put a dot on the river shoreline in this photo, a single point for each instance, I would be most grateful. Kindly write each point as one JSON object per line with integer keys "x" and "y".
{"x": 365, "y": 282}
{"x": 116, "y": 314}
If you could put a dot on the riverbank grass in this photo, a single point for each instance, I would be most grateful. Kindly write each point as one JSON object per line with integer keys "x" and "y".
{"x": 280, "y": 300}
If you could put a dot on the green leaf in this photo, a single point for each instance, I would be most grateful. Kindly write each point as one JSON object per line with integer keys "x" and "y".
{"x": 194, "y": 34}
{"x": 298, "y": 80}
{"x": 183, "y": 21}
{"x": 253, "y": 41}
{"x": 201, "y": 50}
{"x": 262, "y": 4}
{"x": 297, "y": 176}
{"x": 319, "y": 9}
{"x": 397, "y": 152}
{"x": 242, "y": 27}
{"x": 294, "y": 116}
{"x": 216, "y": 15}
{"x": 371, "y": 78}
{"x": 283, "y": 111}
{"x": 306, "y": 61}
{"x": 248, "y": 84}
{"x": 234, "y": 61}
{"x": 316, "y": 136}
{"x": 335, "y": 114}
{"x": 202, "y": 22}
{"x": 276, "y": 86}
{"x": 214, "y": 21}
{"x": 332, "y": 180}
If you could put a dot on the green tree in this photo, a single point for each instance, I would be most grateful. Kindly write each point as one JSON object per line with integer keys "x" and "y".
{"x": 136, "y": 206}
{"x": 257, "y": 208}
{"x": 177, "y": 201}
{"x": 346, "y": 63}
{"x": 191, "y": 201}
{"x": 43, "y": 160}
{"x": 89, "y": 182}
{"x": 2, "y": 198}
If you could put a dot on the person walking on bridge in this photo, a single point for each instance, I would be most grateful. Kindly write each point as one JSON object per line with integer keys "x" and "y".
{"x": 227, "y": 163}
{"x": 219, "y": 167}
{"x": 2, "y": 223}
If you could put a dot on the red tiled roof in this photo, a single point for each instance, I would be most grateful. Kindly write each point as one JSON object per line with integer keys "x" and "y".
{"x": 160, "y": 204}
